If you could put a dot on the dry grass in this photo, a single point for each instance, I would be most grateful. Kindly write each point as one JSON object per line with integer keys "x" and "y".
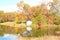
{"x": 40, "y": 38}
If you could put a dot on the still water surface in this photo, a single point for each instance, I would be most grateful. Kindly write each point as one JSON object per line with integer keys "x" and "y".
{"x": 9, "y": 37}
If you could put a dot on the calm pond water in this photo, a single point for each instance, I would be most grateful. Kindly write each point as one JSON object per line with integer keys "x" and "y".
{"x": 9, "y": 37}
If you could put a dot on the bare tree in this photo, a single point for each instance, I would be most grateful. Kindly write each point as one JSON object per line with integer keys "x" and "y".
{"x": 55, "y": 6}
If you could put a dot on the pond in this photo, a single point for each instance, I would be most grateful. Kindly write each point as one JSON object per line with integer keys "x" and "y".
{"x": 9, "y": 37}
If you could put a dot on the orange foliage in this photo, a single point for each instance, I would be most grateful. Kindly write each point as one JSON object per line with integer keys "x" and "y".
{"x": 51, "y": 17}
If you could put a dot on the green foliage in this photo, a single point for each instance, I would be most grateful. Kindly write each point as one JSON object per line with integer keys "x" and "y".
{"x": 57, "y": 20}
{"x": 37, "y": 33}
{"x": 26, "y": 7}
{"x": 1, "y": 16}
{"x": 1, "y": 13}
{"x": 39, "y": 18}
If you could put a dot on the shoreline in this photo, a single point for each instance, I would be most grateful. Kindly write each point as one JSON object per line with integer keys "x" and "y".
{"x": 40, "y": 38}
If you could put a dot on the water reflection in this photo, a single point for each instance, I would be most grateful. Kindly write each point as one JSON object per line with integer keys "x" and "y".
{"x": 9, "y": 37}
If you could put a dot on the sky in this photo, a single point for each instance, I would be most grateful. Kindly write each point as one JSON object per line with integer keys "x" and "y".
{"x": 10, "y": 5}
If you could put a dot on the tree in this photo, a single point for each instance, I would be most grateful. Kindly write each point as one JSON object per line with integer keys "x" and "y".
{"x": 39, "y": 19}
{"x": 1, "y": 16}
{"x": 26, "y": 7}
{"x": 55, "y": 6}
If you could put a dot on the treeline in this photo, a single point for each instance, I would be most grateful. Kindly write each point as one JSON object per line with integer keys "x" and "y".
{"x": 8, "y": 16}
{"x": 38, "y": 14}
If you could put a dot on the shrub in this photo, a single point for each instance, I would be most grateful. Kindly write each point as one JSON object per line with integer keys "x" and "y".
{"x": 37, "y": 33}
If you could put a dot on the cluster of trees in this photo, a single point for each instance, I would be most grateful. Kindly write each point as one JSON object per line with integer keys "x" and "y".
{"x": 38, "y": 14}
{"x": 41, "y": 15}
{"x": 5, "y": 17}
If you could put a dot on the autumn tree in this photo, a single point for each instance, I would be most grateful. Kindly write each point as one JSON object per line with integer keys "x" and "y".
{"x": 10, "y": 16}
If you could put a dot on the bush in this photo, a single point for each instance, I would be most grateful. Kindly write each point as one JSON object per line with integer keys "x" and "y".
{"x": 57, "y": 20}
{"x": 37, "y": 33}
